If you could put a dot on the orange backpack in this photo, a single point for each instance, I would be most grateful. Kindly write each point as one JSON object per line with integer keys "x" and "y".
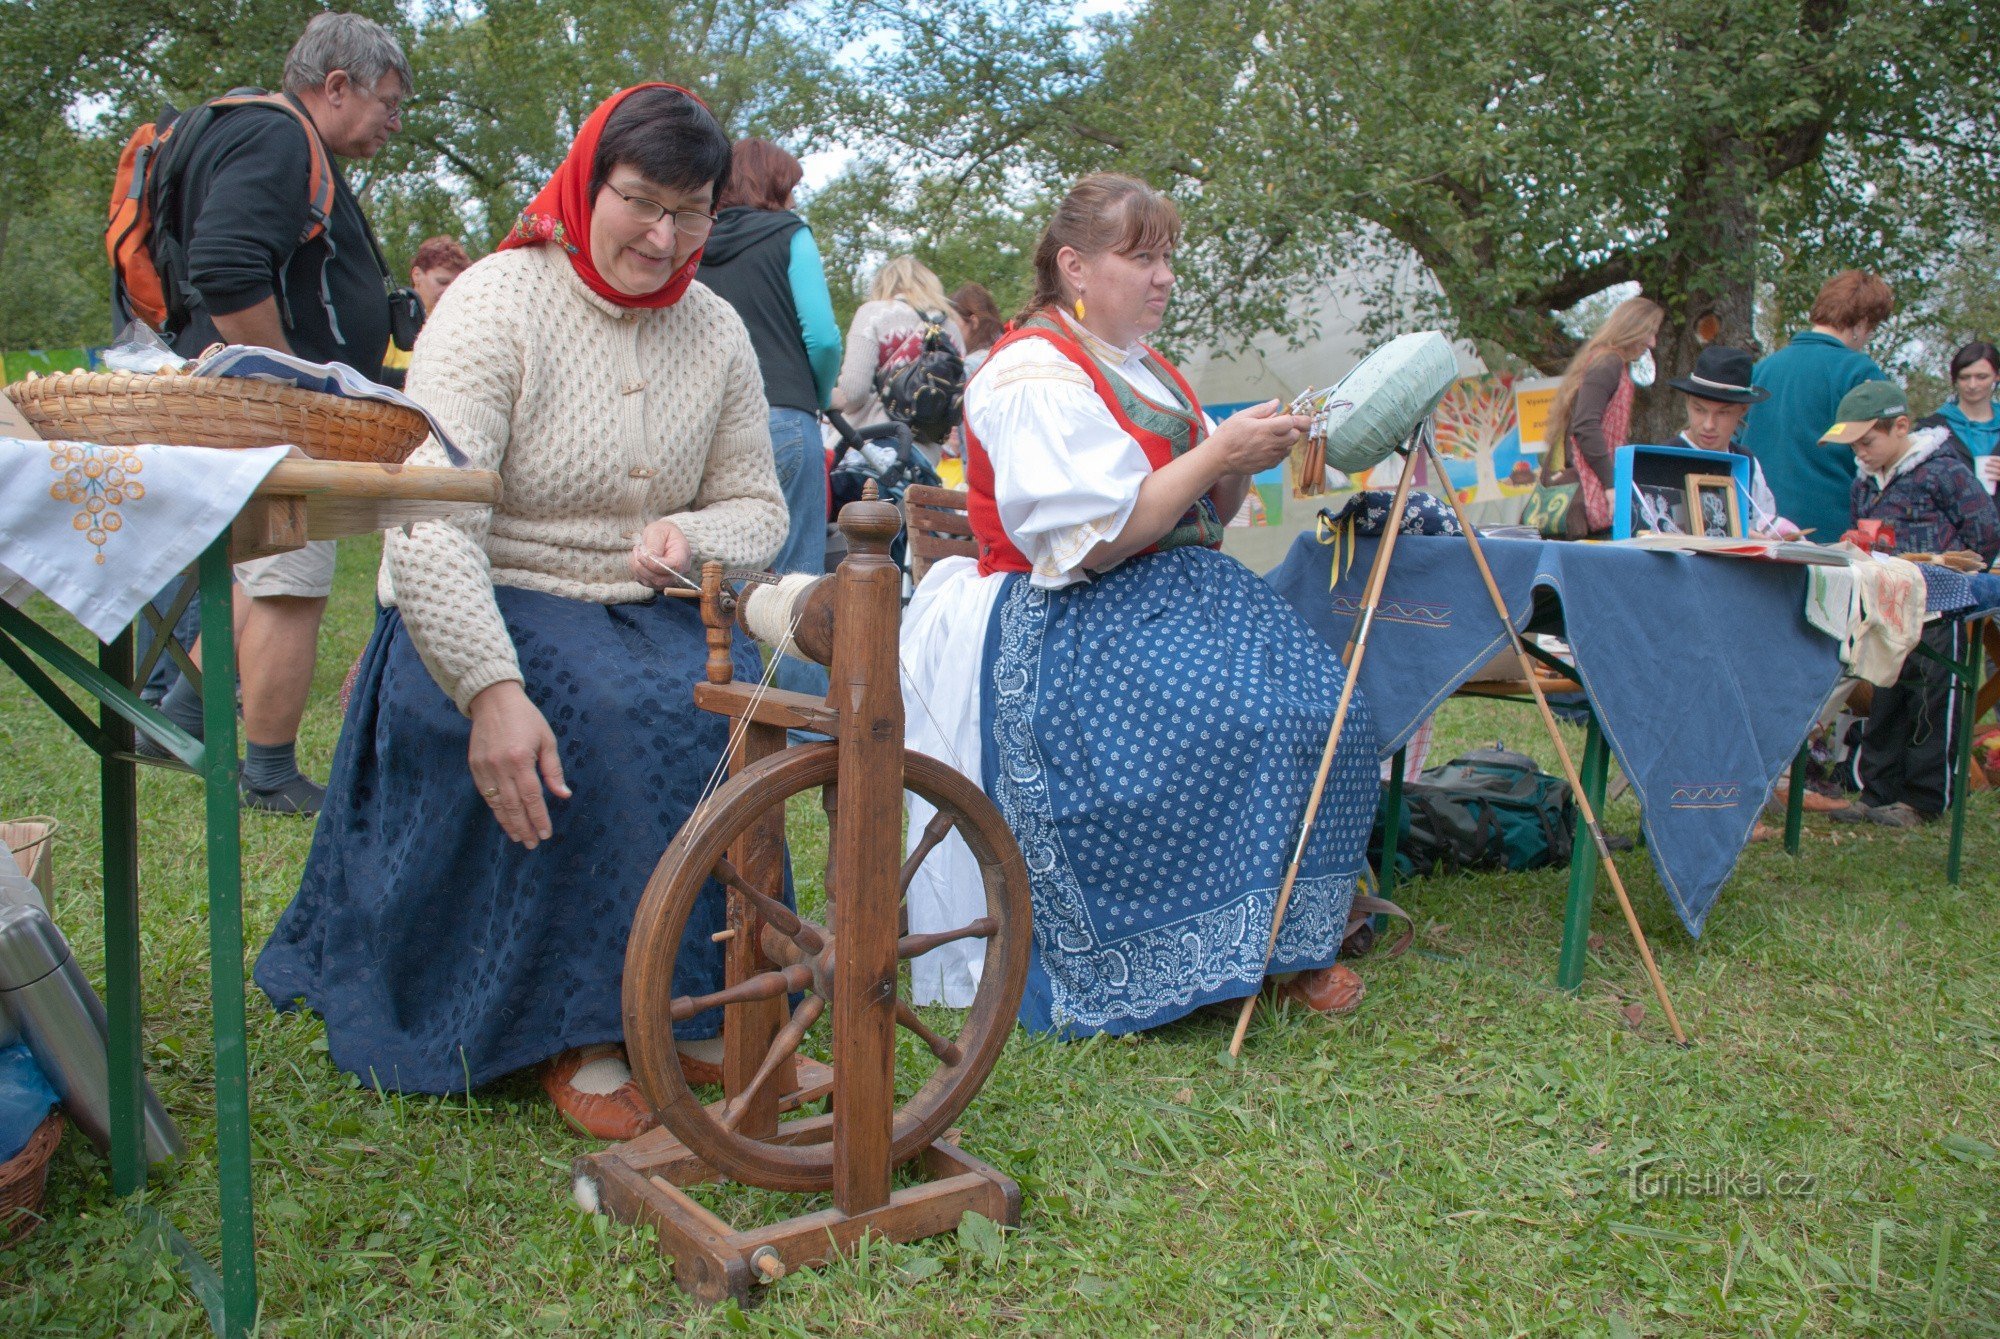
{"x": 148, "y": 261}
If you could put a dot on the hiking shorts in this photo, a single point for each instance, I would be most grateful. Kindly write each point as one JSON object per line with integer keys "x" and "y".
{"x": 306, "y": 572}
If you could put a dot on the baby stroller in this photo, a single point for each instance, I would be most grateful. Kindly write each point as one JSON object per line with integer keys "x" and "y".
{"x": 884, "y": 452}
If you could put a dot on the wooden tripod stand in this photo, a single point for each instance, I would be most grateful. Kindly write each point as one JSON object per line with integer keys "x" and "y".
{"x": 1421, "y": 437}
{"x": 845, "y": 972}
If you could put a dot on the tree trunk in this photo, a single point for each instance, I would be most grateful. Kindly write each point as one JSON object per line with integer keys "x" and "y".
{"x": 1707, "y": 283}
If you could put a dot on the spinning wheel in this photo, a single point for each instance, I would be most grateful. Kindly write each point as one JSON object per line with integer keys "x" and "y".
{"x": 723, "y": 1138}
{"x": 846, "y": 973}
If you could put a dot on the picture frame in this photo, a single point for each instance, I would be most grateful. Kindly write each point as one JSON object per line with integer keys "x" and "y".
{"x": 1650, "y": 491}
{"x": 1714, "y": 507}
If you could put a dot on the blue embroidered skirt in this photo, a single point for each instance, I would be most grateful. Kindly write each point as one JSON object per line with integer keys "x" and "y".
{"x": 440, "y": 953}
{"x": 1151, "y": 738}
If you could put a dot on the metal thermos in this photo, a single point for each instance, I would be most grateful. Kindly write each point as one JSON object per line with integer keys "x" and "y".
{"x": 62, "y": 1019}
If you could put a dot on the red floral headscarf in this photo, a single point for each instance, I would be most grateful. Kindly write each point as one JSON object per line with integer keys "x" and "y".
{"x": 561, "y": 213}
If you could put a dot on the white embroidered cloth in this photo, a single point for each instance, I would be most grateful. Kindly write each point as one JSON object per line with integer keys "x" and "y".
{"x": 101, "y": 529}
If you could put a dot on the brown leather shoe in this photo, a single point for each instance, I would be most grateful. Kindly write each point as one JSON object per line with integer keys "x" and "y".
{"x": 1334, "y": 990}
{"x": 617, "y": 1115}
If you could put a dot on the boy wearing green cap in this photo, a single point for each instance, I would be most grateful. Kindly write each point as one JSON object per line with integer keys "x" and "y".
{"x": 1922, "y": 494}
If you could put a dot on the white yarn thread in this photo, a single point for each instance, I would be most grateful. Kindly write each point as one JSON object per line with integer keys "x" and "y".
{"x": 769, "y": 612}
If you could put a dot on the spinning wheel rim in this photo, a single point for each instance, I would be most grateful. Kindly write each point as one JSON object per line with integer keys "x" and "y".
{"x": 662, "y": 917}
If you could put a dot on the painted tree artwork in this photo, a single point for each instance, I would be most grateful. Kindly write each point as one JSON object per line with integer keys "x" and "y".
{"x": 1472, "y": 420}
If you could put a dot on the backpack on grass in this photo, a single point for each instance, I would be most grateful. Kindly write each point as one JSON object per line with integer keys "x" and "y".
{"x": 928, "y": 392}
{"x": 1489, "y": 809}
{"x": 148, "y": 260}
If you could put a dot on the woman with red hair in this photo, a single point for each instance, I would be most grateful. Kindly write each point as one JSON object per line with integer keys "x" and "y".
{"x": 763, "y": 261}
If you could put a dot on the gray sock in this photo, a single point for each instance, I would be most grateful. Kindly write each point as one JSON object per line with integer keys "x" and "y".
{"x": 269, "y": 766}
{"x": 182, "y": 706}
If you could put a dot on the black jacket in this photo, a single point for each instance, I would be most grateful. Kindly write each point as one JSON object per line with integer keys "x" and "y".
{"x": 243, "y": 206}
{"x": 747, "y": 260}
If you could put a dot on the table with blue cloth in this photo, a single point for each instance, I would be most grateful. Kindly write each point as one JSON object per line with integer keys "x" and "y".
{"x": 1700, "y": 673}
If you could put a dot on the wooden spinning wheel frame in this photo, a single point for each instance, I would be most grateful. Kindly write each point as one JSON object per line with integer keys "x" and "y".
{"x": 846, "y": 974}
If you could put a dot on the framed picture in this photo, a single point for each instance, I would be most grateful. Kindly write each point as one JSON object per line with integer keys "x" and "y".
{"x": 1714, "y": 506}
{"x": 1651, "y": 489}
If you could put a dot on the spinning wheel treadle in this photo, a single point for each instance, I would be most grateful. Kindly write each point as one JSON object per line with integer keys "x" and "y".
{"x": 845, "y": 973}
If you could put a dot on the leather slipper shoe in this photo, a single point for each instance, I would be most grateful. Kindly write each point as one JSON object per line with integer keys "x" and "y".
{"x": 619, "y": 1115}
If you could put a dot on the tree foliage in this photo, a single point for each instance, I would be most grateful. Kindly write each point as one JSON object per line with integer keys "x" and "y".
{"x": 1531, "y": 152}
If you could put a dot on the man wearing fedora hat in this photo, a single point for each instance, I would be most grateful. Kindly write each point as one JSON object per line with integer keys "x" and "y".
{"x": 1718, "y": 394}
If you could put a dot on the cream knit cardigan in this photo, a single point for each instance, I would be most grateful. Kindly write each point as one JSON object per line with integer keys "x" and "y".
{"x": 600, "y": 419}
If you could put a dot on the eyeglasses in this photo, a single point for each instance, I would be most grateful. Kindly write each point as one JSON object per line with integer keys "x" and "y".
{"x": 393, "y": 106}
{"x": 689, "y": 223}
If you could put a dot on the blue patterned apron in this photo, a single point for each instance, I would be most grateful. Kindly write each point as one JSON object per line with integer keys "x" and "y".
{"x": 1151, "y": 738}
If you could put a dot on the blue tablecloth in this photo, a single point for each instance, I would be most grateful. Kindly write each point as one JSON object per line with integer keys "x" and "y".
{"x": 1703, "y": 672}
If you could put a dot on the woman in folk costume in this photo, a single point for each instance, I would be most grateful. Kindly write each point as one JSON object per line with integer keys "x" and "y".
{"x": 522, "y": 741}
{"x": 1145, "y": 712}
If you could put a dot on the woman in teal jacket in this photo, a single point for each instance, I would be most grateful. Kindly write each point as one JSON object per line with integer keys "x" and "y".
{"x": 1973, "y": 428}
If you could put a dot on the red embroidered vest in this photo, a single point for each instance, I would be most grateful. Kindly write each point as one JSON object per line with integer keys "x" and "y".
{"x": 1163, "y": 432}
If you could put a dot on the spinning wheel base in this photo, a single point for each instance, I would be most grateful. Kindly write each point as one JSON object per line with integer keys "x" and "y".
{"x": 640, "y": 1182}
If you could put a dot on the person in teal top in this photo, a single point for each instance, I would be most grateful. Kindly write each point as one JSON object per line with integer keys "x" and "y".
{"x": 1806, "y": 380}
{"x": 761, "y": 259}
{"x": 1972, "y": 428}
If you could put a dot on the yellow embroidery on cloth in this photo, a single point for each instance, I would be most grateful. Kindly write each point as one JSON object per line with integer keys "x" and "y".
{"x": 1043, "y": 372}
{"x": 98, "y": 479}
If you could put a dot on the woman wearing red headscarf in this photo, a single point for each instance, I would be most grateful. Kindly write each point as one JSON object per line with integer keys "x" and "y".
{"x": 522, "y": 743}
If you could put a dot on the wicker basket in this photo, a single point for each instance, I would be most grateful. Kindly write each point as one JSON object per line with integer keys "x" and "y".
{"x": 32, "y": 842}
{"x": 23, "y": 1179}
{"x": 134, "y": 409}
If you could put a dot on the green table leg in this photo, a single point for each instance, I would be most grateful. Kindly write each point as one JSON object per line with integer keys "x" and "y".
{"x": 1795, "y": 800}
{"x": 225, "y": 941}
{"x": 1583, "y": 863}
{"x": 1392, "y": 828}
{"x": 1964, "y": 686}
{"x": 118, "y": 787}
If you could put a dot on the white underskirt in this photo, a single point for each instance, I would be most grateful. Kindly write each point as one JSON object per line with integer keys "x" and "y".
{"x": 943, "y": 652}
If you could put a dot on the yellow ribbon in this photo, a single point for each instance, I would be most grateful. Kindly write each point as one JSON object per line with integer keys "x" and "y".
{"x": 1340, "y": 535}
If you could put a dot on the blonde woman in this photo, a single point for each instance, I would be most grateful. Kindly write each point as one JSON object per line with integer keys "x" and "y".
{"x": 1592, "y": 414}
{"x": 887, "y": 332}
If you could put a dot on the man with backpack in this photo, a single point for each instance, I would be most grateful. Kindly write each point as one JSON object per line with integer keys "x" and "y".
{"x": 258, "y": 240}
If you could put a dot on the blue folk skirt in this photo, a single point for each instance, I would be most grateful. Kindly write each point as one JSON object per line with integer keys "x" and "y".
{"x": 443, "y": 955}
{"x": 1151, "y": 738}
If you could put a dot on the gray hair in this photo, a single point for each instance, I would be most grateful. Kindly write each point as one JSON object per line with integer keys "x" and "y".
{"x": 360, "y": 46}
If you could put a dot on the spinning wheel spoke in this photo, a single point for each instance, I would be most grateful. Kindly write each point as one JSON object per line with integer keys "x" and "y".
{"x": 934, "y": 832}
{"x": 810, "y": 937}
{"x": 782, "y": 1046}
{"x": 909, "y": 946}
{"x": 735, "y": 1138}
{"x": 763, "y": 986}
{"x": 946, "y": 1051}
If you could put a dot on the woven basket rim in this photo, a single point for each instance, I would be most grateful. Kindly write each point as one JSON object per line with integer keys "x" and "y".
{"x": 41, "y": 1146}
{"x": 107, "y": 384}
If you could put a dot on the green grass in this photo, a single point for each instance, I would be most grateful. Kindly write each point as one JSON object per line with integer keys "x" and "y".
{"x": 1455, "y": 1159}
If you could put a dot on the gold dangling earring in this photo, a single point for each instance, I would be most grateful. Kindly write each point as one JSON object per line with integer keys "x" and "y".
{"x": 1079, "y": 308}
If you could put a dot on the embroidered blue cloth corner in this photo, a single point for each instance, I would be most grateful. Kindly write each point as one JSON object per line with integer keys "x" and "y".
{"x": 1703, "y": 672}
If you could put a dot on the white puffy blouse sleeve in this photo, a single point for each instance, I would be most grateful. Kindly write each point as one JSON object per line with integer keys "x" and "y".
{"x": 1065, "y": 475}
